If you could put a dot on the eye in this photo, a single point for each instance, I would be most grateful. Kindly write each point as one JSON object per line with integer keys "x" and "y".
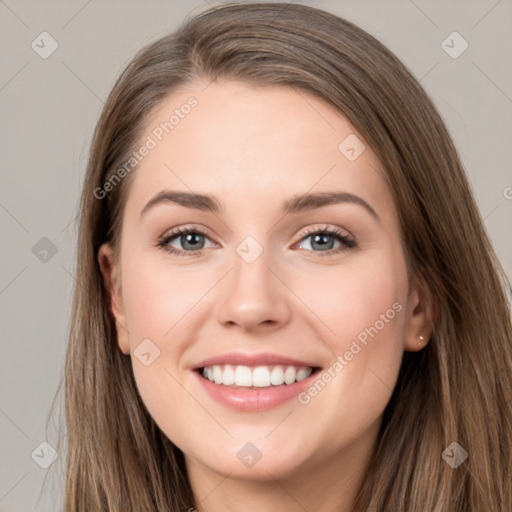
{"x": 190, "y": 239}
{"x": 324, "y": 239}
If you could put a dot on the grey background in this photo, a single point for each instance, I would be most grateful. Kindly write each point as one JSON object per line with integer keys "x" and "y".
{"x": 49, "y": 108}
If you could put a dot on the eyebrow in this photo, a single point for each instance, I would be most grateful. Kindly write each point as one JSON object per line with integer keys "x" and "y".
{"x": 296, "y": 204}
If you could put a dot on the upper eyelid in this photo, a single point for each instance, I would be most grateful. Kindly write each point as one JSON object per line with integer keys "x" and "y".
{"x": 325, "y": 228}
{"x": 179, "y": 230}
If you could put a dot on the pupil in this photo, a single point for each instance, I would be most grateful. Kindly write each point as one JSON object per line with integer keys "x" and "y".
{"x": 321, "y": 239}
{"x": 190, "y": 238}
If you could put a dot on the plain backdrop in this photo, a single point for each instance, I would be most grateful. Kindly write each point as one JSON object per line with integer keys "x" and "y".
{"x": 49, "y": 107}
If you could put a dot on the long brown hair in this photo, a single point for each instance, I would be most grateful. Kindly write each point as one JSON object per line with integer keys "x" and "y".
{"x": 457, "y": 389}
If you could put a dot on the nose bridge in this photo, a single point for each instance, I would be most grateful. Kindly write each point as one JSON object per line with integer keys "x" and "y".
{"x": 254, "y": 296}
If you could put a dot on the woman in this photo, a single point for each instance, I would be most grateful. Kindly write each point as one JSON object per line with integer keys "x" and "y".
{"x": 287, "y": 298}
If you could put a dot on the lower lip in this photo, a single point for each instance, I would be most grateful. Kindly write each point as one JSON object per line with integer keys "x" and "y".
{"x": 254, "y": 399}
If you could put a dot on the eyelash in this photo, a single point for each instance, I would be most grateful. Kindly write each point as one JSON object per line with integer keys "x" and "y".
{"x": 347, "y": 243}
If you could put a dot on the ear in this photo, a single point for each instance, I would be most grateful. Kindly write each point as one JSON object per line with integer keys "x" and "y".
{"x": 110, "y": 268}
{"x": 422, "y": 313}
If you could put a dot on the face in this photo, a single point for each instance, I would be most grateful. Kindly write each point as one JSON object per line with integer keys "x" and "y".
{"x": 291, "y": 269}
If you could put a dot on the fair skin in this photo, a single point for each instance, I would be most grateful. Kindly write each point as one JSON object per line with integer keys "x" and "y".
{"x": 254, "y": 148}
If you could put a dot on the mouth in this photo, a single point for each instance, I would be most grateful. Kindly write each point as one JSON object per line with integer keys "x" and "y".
{"x": 254, "y": 382}
{"x": 258, "y": 377}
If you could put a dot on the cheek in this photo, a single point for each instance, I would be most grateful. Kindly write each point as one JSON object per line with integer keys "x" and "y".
{"x": 348, "y": 300}
{"x": 364, "y": 307}
{"x": 157, "y": 300}
{"x": 156, "y": 304}
{"x": 361, "y": 315}
{"x": 159, "y": 306}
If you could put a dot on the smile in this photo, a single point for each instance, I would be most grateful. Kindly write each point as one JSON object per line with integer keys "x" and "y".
{"x": 257, "y": 377}
{"x": 253, "y": 382}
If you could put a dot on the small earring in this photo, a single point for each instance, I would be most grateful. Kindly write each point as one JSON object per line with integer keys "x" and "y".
{"x": 421, "y": 339}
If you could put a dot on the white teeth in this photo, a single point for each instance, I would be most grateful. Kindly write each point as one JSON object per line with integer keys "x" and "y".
{"x": 217, "y": 374}
{"x": 243, "y": 376}
{"x": 229, "y": 375}
{"x": 277, "y": 376}
{"x": 259, "y": 376}
{"x": 289, "y": 375}
{"x": 303, "y": 373}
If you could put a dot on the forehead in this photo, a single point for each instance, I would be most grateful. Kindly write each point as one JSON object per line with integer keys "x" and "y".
{"x": 233, "y": 140}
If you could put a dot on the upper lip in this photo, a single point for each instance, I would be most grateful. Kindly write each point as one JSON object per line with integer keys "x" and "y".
{"x": 241, "y": 359}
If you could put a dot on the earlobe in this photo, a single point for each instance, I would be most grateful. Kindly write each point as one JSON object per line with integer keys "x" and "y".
{"x": 112, "y": 280}
{"x": 422, "y": 312}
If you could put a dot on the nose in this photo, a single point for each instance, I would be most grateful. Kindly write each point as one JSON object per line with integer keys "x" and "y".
{"x": 254, "y": 297}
